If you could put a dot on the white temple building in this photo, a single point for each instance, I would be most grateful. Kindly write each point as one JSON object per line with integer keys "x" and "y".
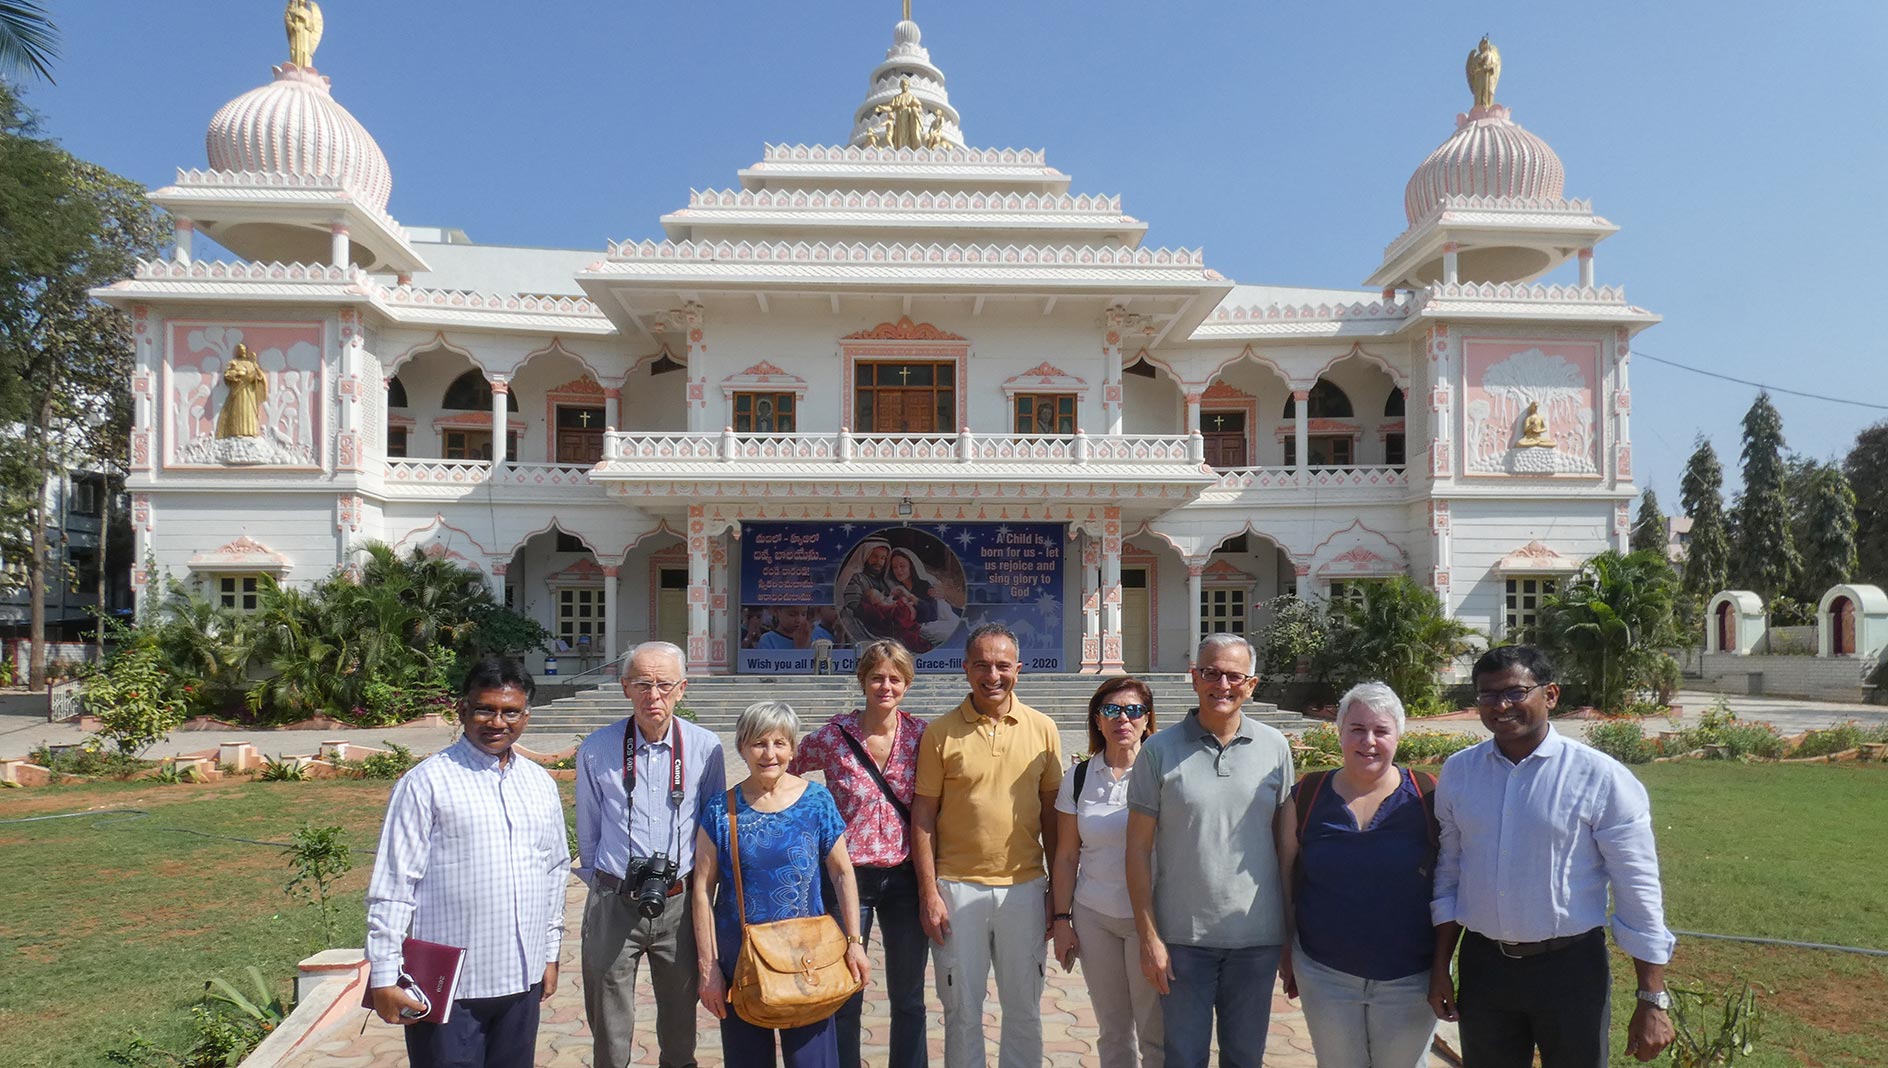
{"x": 898, "y": 341}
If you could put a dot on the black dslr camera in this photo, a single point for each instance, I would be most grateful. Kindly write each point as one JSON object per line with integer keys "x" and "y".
{"x": 649, "y": 881}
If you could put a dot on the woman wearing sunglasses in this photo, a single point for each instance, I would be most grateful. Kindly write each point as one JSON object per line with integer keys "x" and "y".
{"x": 1092, "y": 917}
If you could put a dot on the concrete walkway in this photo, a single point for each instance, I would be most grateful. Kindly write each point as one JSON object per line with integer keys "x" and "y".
{"x": 1068, "y": 1026}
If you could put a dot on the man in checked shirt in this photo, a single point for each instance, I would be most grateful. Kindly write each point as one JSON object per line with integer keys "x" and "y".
{"x": 473, "y": 854}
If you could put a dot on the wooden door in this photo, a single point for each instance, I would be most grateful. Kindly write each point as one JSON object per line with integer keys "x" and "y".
{"x": 672, "y": 607}
{"x": 1727, "y": 629}
{"x": 1135, "y": 629}
{"x": 1225, "y": 434}
{"x": 1842, "y": 616}
{"x": 905, "y": 411}
{"x": 579, "y": 435}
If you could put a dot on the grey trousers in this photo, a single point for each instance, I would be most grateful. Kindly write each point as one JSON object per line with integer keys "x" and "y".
{"x": 615, "y": 941}
{"x": 1127, "y": 1007}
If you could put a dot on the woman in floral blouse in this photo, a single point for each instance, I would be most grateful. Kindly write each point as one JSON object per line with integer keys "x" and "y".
{"x": 878, "y": 836}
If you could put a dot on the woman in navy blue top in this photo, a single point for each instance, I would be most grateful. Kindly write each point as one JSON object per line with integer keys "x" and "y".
{"x": 789, "y": 827}
{"x": 1357, "y": 878}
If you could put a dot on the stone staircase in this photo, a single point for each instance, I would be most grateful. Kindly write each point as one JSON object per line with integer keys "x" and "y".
{"x": 717, "y": 700}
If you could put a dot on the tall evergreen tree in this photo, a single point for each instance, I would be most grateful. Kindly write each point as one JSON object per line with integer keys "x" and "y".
{"x": 1708, "y": 550}
{"x": 1829, "y": 549}
{"x": 1764, "y": 557}
{"x": 1867, "y": 469}
{"x": 1648, "y": 531}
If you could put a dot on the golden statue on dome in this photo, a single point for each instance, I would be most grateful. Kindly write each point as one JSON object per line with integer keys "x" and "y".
{"x": 1484, "y": 70}
{"x": 241, "y": 416}
{"x": 904, "y": 117}
{"x": 1534, "y": 429}
{"x": 303, "y": 21}
{"x": 934, "y": 136}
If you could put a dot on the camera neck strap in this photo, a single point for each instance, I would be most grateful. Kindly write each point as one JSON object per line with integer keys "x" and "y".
{"x": 677, "y": 769}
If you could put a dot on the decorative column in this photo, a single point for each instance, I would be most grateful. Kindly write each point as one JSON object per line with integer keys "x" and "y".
{"x": 184, "y": 229}
{"x": 1440, "y": 549}
{"x": 496, "y": 576}
{"x": 613, "y": 407}
{"x": 501, "y": 418}
{"x": 1194, "y": 396}
{"x": 718, "y": 662}
{"x": 338, "y": 245}
{"x": 1196, "y": 588}
{"x": 1441, "y": 405}
{"x": 688, "y": 319}
{"x": 1622, "y": 405}
{"x": 1111, "y": 592}
{"x": 1586, "y": 268}
{"x": 1116, "y": 319}
{"x": 352, "y": 436}
{"x": 697, "y": 586}
{"x": 145, "y": 423}
{"x": 610, "y": 589}
{"x": 1450, "y": 272}
{"x": 1091, "y": 603}
{"x": 1301, "y": 433}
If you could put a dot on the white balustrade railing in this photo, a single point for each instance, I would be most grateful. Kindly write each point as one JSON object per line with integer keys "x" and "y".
{"x": 627, "y": 447}
{"x": 1361, "y": 477}
{"x": 1263, "y": 478}
{"x": 532, "y": 474}
{"x": 438, "y": 472}
{"x": 1245, "y": 478}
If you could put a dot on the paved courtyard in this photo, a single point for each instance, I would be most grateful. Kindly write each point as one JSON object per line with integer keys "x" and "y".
{"x": 1068, "y": 1027}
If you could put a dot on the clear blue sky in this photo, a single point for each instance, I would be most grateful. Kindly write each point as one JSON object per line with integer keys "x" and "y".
{"x": 1739, "y": 145}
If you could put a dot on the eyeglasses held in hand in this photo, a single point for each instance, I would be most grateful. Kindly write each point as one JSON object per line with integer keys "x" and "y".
{"x": 412, "y": 987}
{"x": 1514, "y": 695}
{"x": 1211, "y": 674}
{"x": 508, "y": 715}
{"x": 645, "y": 687}
{"x": 1112, "y": 711}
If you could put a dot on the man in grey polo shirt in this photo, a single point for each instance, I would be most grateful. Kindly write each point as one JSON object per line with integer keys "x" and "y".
{"x": 1201, "y": 813}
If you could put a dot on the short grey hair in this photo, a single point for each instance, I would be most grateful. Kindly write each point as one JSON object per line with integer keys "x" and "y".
{"x": 665, "y": 648}
{"x": 763, "y": 718}
{"x": 1226, "y": 638}
{"x": 1375, "y": 696}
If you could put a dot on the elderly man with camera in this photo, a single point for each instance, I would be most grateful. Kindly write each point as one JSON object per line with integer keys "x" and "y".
{"x": 639, "y": 798}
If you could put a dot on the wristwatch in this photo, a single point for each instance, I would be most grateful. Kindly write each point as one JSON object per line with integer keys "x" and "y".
{"x": 1069, "y": 916}
{"x": 1658, "y": 999}
{"x": 855, "y": 940}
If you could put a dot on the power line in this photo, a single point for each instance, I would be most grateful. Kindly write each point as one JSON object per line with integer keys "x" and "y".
{"x": 1759, "y": 385}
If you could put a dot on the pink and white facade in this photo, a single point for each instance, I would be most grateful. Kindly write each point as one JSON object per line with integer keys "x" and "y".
{"x": 1204, "y": 445}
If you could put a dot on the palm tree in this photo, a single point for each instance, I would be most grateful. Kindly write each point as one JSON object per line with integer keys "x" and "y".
{"x": 1611, "y": 623}
{"x": 1398, "y": 633}
{"x": 29, "y": 42}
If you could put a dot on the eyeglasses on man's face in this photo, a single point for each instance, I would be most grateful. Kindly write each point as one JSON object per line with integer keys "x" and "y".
{"x": 645, "y": 687}
{"x": 1513, "y": 695}
{"x": 1114, "y": 711}
{"x": 1213, "y": 674}
{"x": 504, "y": 715}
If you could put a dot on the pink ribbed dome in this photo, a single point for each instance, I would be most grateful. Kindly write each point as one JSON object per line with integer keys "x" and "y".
{"x": 1488, "y": 156}
{"x": 293, "y": 126}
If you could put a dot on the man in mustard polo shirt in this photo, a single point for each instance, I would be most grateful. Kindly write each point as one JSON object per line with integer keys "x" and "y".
{"x": 981, "y": 824}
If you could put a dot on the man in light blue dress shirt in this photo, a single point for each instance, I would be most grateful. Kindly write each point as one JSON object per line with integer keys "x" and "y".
{"x": 1536, "y": 828}
{"x": 625, "y": 843}
{"x": 473, "y": 855}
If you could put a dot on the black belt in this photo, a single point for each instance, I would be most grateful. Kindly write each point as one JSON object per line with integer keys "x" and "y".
{"x": 1518, "y": 950}
{"x": 615, "y": 885}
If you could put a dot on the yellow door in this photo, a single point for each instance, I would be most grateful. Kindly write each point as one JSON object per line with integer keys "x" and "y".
{"x": 1134, "y": 612}
{"x": 672, "y": 607}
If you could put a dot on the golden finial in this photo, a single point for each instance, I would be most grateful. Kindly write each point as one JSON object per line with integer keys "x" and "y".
{"x": 907, "y": 10}
{"x": 303, "y": 21}
{"x": 1484, "y": 70}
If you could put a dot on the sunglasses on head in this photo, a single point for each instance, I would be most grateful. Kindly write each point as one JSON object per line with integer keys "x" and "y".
{"x": 1114, "y": 711}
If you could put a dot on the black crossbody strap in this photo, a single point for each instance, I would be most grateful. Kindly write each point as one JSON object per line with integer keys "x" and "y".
{"x": 1080, "y": 771}
{"x": 865, "y": 760}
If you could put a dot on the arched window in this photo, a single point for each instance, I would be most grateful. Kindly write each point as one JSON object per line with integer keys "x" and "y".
{"x": 396, "y": 392}
{"x": 1393, "y": 404}
{"x": 1327, "y": 402}
{"x": 470, "y": 392}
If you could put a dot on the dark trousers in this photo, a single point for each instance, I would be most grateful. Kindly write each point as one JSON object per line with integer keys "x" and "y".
{"x": 1559, "y": 1001}
{"x": 483, "y": 1033}
{"x": 891, "y": 896}
{"x": 743, "y": 1045}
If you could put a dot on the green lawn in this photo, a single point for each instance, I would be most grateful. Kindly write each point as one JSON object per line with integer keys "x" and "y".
{"x": 109, "y": 925}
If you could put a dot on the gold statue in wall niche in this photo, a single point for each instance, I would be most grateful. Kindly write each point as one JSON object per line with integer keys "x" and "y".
{"x": 303, "y": 21}
{"x": 241, "y": 416}
{"x": 1534, "y": 429}
{"x": 1484, "y": 70}
{"x": 904, "y": 127}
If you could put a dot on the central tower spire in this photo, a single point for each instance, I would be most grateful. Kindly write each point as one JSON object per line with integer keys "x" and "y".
{"x": 907, "y": 105}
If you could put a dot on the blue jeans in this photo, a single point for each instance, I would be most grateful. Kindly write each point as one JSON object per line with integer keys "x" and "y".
{"x": 891, "y": 896}
{"x": 1366, "y": 1023}
{"x": 744, "y": 1045}
{"x": 1234, "y": 983}
{"x": 499, "y": 1032}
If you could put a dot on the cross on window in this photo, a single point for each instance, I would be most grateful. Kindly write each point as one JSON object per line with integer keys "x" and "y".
{"x": 584, "y": 418}
{"x": 904, "y": 375}
{"x": 1219, "y": 422}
